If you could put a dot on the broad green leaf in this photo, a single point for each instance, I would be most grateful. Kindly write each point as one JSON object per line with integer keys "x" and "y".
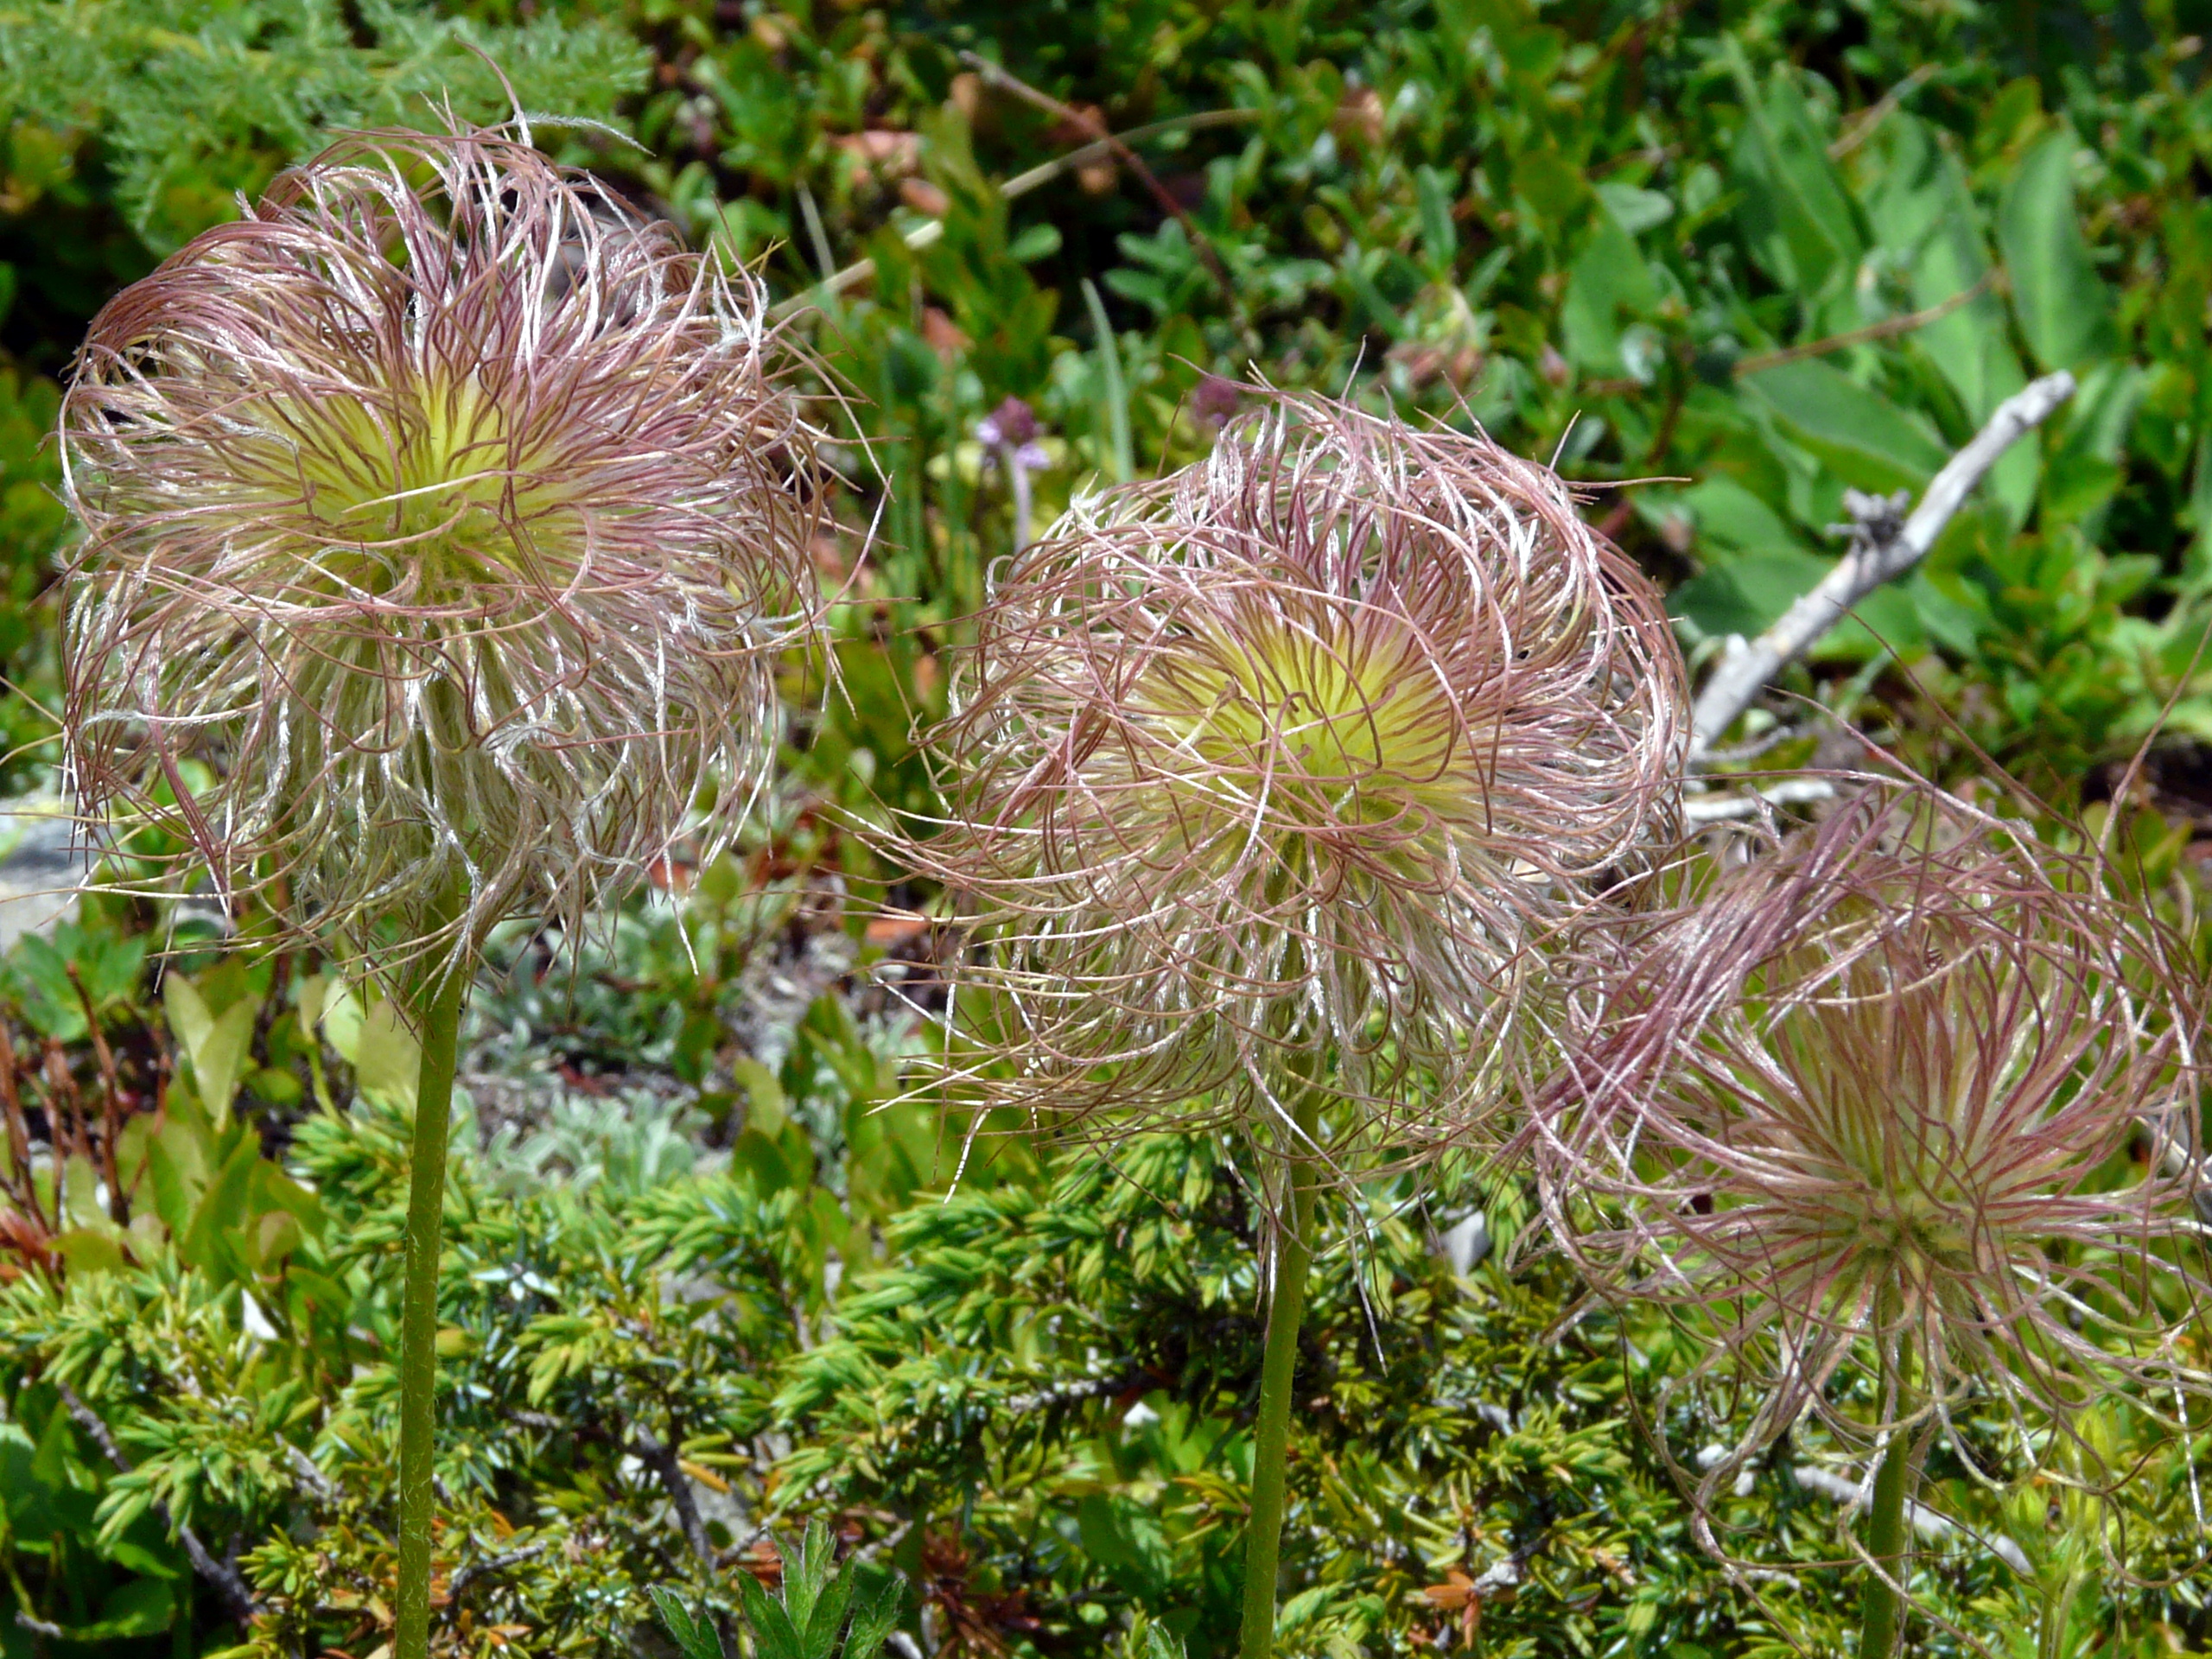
{"x": 275, "y": 1236}
{"x": 89, "y": 1249}
{"x": 17, "y": 1451}
{"x": 2065, "y": 311}
{"x": 772, "y": 1627}
{"x": 51, "y": 1002}
{"x": 178, "y": 1163}
{"x": 1726, "y": 513}
{"x": 2084, "y": 469}
{"x": 141, "y": 1607}
{"x": 2196, "y": 567}
{"x": 1609, "y": 281}
{"x": 1865, "y": 440}
{"x": 217, "y": 1241}
{"x": 1796, "y": 215}
{"x": 1439, "y": 237}
{"x": 1036, "y": 242}
{"x": 1634, "y": 210}
{"x": 276, "y": 1192}
{"x": 58, "y": 1446}
{"x": 377, "y": 1044}
{"x": 892, "y": 1152}
{"x": 80, "y": 1190}
{"x": 775, "y": 1162}
{"x": 1549, "y": 183}
{"x": 1745, "y": 596}
{"x": 1751, "y": 591}
{"x": 1126, "y": 1539}
{"x": 216, "y": 1046}
{"x": 1923, "y": 212}
{"x": 764, "y": 1095}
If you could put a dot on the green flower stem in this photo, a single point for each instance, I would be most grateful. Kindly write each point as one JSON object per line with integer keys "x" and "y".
{"x": 1270, "y": 1458}
{"x": 1880, "y": 1609}
{"x": 436, "y": 1006}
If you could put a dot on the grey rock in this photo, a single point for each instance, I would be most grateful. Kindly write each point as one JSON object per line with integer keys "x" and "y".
{"x": 44, "y": 860}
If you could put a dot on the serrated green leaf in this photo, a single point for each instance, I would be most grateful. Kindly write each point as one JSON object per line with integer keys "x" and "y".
{"x": 694, "y": 1633}
{"x": 873, "y": 1619}
{"x": 828, "y": 1616}
{"x": 806, "y": 1571}
{"x": 771, "y": 1625}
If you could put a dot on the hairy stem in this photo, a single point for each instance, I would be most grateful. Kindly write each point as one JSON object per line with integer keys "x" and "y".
{"x": 436, "y": 1005}
{"x": 1880, "y": 1607}
{"x": 1286, "y": 1308}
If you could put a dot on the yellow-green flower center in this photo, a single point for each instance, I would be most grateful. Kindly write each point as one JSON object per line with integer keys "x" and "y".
{"x": 1309, "y": 723}
{"x": 427, "y": 484}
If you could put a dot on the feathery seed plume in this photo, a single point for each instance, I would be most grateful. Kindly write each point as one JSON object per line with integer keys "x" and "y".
{"x": 1903, "y": 1099}
{"x": 1273, "y": 774}
{"x": 443, "y": 522}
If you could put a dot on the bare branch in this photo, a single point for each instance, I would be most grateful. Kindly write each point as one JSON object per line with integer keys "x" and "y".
{"x": 661, "y": 1458}
{"x": 238, "y": 1600}
{"x": 475, "y": 1570}
{"x": 1886, "y": 551}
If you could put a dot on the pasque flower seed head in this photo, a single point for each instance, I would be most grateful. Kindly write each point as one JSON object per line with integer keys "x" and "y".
{"x": 1284, "y": 764}
{"x": 443, "y": 521}
{"x": 1906, "y": 1098}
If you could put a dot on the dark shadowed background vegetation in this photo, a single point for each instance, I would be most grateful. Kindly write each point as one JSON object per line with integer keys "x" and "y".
{"x": 704, "y": 1282}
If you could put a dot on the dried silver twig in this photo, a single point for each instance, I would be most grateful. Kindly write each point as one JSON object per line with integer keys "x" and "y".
{"x": 1885, "y": 544}
{"x": 1730, "y": 804}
